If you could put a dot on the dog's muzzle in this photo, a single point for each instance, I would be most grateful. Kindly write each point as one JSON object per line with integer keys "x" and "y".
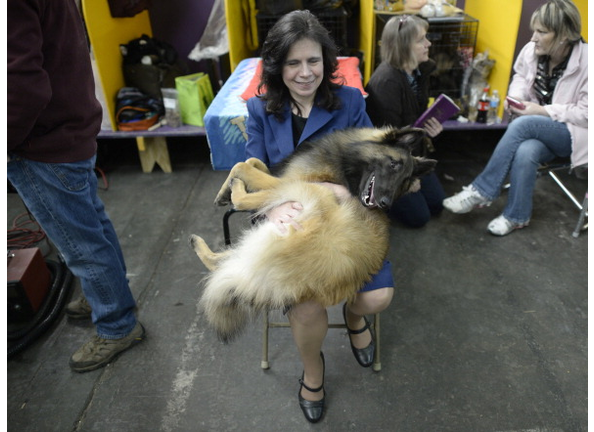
{"x": 368, "y": 196}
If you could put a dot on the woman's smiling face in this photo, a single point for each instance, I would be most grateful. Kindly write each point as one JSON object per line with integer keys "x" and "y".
{"x": 303, "y": 70}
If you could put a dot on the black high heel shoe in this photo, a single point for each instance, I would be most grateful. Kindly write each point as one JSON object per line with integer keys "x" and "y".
{"x": 364, "y": 356}
{"x": 313, "y": 410}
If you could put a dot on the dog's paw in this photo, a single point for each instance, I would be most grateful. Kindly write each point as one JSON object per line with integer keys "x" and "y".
{"x": 223, "y": 198}
{"x": 207, "y": 256}
{"x": 198, "y": 244}
{"x": 221, "y": 201}
{"x": 194, "y": 240}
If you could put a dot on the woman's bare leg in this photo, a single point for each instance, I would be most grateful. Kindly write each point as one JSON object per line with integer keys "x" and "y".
{"x": 366, "y": 303}
{"x": 309, "y": 325}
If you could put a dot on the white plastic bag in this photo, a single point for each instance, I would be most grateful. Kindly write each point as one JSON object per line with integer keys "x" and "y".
{"x": 214, "y": 41}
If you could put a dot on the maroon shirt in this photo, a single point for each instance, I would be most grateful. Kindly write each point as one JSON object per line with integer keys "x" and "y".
{"x": 53, "y": 114}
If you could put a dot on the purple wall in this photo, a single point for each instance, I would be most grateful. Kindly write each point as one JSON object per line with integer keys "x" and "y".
{"x": 181, "y": 23}
{"x": 524, "y": 32}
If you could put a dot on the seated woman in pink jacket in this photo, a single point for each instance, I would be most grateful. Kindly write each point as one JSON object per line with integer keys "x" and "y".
{"x": 551, "y": 80}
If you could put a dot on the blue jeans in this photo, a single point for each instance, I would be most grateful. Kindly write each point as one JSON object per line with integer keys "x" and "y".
{"x": 63, "y": 199}
{"x": 528, "y": 142}
{"x": 415, "y": 209}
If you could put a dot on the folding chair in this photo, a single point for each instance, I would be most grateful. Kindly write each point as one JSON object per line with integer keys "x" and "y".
{"x": 550, "y": 169}
{"x": 377, "y": 364}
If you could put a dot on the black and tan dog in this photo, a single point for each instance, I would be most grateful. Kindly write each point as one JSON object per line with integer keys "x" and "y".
{"x": 341, "y": 241}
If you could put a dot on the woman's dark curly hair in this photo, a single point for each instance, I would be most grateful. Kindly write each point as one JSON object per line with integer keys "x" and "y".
{"x": 289, "y": 29}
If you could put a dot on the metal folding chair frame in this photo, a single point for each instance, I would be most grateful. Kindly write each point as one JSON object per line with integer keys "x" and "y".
{"x": 582, "y": 207}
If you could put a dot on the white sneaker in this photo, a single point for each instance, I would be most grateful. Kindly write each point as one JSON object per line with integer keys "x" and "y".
{"x": 466, "y": 200}
{"x": 501, "y": 226}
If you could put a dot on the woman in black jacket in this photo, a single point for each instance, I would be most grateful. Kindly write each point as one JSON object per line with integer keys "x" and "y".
{"x": 398, "y": 95}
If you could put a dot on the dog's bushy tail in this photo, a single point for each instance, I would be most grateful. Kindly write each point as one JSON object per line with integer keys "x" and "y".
{"x": 244, "y": 285}
{"x": 227, "y": 316}
{"x": 229, "y": 307}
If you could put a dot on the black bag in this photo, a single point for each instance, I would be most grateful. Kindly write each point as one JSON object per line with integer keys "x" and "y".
{"x": 150, "y": 64}
{"x": 136, "y": 110}
{"x": 145, "y": 45}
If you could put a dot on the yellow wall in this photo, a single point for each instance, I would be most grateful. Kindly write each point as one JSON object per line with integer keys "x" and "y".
{"x": 242, "y": 32}
{"x": 106, "y": 34}
{"x": 582, "y": 5}
{"x": 367, "y": 37}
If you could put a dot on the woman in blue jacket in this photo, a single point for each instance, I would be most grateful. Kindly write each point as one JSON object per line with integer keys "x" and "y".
{"x": 298, "y": 101}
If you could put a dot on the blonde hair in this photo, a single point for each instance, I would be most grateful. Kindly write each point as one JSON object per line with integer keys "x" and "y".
{"x": 561, "y": 17}
{"x": 398, "y": 36}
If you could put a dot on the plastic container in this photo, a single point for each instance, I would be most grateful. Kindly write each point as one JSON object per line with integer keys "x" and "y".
{"x": 171, "y": 104}
{"x": 483, "y": 107}
{"x": 492, "y": 117}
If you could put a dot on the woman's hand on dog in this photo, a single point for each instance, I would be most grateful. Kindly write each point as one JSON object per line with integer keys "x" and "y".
{"x": 285, "y": 214}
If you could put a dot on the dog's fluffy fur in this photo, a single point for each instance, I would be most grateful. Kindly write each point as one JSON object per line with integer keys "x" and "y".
{"x": 343, "y": 241}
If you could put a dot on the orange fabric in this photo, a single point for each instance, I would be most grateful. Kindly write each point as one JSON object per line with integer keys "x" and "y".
{"x": 348, "y": 74}
{"x": 136, "y": 125}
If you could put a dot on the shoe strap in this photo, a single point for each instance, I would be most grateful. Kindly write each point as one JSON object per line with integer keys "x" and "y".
{"x": 316, "y": 390}
{"x": 361, "y": 330}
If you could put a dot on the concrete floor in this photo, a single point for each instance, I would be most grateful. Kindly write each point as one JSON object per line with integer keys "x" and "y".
{"x": 484, "y": 333}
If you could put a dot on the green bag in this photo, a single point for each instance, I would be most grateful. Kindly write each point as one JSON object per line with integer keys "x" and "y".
{"x": 195, "y": 95}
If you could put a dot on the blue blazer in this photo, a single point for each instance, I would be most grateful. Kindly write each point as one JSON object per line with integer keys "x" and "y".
{"x": 271, "y": 140}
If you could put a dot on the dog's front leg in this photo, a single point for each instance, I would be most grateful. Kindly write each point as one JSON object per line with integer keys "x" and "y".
{"x": 209, "y": 258}
{"x": 253, "y": 172}
{"x": 242, "y": 200}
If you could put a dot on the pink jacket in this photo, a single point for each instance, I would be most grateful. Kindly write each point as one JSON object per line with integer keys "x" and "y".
{"x": 570, "y": 99}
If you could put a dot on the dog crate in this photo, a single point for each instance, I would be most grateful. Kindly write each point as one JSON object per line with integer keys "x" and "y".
{"x": 453, "y": 42}
{"x": 334, "y": 20}
{"x": 452, "y": 48}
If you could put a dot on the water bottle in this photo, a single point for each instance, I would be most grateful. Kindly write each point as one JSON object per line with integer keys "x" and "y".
{"x": 492, "y": 117}
{"x": 483, "y": 106}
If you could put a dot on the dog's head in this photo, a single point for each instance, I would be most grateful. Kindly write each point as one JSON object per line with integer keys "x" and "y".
{"x": 391, "y": 169}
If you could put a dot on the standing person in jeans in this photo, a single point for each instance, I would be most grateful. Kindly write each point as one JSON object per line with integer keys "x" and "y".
{"x": 301, "y": 103}
{"x": 398, "y": 95}
{"x": 53, "y": 121}
{"x": 551, "y": 80}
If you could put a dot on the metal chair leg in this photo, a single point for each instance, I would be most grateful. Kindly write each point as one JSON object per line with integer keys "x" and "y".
{"x": 565, "y": 190}
{"x": 377, "y": 363}
{"x": 226, "y": 231}
{"x": 581, "y": 220}
{"x": 264, "y": 364}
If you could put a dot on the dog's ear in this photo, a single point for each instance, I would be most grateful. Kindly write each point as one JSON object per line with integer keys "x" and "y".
{"x": 408, "y": 138}
{"x": 423, "y": 166}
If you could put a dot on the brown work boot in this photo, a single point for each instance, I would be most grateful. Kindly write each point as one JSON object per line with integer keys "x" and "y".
{"x": 78, "y": 309}
{"x": 98, "y": 351}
